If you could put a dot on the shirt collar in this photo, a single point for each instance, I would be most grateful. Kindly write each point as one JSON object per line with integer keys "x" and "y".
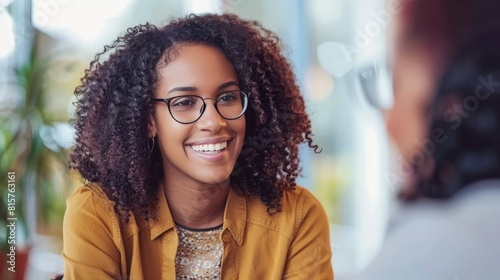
{"x": 164, "y": 220}
{"x": 235, "y": 214}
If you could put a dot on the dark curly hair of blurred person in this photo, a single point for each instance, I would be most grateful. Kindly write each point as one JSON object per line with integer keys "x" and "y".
{"x": 466, "y": 108}
{"x": 114, "y": 106}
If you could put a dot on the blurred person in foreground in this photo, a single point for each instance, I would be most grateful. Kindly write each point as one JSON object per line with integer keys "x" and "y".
{"x": 445, "y": 122}
{"x": 187, "y": 141}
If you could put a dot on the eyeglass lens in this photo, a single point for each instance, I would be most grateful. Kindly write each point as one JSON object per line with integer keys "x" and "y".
{"x": 186, "y": 109}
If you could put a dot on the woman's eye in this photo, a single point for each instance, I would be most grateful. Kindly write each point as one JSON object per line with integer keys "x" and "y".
{"x": 183, "y": 101}
{"x": 228, "y": 97}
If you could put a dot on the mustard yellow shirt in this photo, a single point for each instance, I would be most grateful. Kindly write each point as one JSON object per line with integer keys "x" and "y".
{"x": 293, "y": 244}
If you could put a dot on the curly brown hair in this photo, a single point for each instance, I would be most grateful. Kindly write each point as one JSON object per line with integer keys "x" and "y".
{"x": 115, "y": 103}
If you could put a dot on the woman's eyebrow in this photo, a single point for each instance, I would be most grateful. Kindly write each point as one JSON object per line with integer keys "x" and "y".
{"x": 227, "y": 84}
{"x": 182, "y": 89}
{"x": 223, "y": 86}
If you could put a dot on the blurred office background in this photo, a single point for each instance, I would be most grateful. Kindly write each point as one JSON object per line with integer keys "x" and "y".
{"x": 339, "y": 52}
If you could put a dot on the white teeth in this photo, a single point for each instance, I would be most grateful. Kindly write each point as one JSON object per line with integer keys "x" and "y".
{"x": 209, "y": 148}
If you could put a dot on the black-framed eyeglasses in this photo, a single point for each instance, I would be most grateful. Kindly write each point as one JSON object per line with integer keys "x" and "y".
{"x": 187, "y": 109}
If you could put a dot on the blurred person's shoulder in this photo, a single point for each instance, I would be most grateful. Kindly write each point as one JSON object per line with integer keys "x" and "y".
{"x": 476, "y": 203}
{"x": 486, "y": 192}
{"x": 481, "y": 196}
{"x": 455, "y": 236}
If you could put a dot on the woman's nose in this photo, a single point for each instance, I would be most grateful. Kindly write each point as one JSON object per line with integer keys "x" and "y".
{"x": 211, "y": 119}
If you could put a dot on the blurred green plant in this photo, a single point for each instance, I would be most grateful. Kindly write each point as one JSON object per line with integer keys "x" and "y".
{"x": 28, "y": 148}
{"x": 330, "y": 176}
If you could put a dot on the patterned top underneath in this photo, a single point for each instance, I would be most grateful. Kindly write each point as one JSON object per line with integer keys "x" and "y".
{"x": 199, "y": 253}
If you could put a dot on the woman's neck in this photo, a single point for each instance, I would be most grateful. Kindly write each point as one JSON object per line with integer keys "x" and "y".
{"x": 197, "y": 205}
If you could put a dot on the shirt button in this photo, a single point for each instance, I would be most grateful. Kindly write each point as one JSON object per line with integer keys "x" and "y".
{"x": 225, "y": 238}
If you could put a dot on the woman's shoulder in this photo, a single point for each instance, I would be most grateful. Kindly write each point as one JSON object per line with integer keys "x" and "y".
{"x": 88, "y": 202}
{"x": 296, "y": 206}
{"x": 299, "y": 197}
{"x": 90, "y": 194}
{"x": 300, "y": 202}
{"x": 304, "y": 203}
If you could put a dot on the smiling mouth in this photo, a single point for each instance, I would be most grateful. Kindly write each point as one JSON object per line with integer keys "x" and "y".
{"x": 209, "y": 148}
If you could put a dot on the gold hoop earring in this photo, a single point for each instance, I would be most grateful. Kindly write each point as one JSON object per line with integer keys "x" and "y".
{"x": 152, "y": 146}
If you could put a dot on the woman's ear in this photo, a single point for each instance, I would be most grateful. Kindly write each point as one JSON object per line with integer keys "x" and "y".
{"x": 152, "y": 131}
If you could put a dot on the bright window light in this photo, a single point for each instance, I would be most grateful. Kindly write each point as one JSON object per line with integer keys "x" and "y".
{"x": 82, "y": 19}
{"x": 203, "y": 6}
{"x": 5, "y": 3}
{"x": 6, "y": 33}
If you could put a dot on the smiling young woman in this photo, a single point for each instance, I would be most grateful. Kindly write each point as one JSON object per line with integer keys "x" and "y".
{"x": 187, "y": 139}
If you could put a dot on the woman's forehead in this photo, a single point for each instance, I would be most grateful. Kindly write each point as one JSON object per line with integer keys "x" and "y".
{"x": 198, "y": 66}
